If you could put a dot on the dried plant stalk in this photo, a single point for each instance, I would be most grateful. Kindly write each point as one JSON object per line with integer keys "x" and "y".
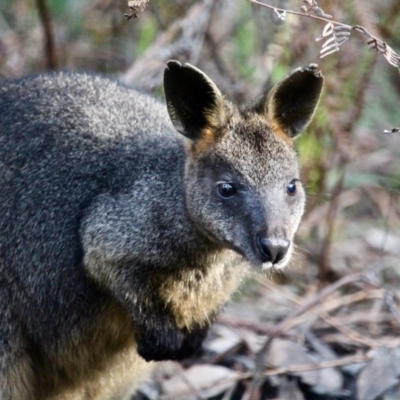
{"x": 336, "y": 36}
{"x": 337, "y": 32}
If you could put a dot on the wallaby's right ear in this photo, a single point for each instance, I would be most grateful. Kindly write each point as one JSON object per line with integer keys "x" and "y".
{"x": 290, "y": 104}
{"x": 195, "y": 105}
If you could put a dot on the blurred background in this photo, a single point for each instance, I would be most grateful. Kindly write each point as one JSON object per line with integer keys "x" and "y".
{"x": 349, "y": 240}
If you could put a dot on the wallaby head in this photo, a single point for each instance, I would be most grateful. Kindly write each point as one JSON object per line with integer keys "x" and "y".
{"x": 243, "y": 187}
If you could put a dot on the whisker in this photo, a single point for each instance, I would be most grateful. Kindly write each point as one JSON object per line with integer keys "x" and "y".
{"x": 302, "y": 249}
{"x": 326, "y": 196}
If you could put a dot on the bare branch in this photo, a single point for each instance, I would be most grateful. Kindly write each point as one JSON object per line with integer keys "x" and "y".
{"x": 340, "y": 32}
{"x": 50, "y": 49}
{"x": 325, "y": 18}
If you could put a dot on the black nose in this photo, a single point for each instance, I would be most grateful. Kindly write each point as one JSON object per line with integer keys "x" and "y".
{"x": 273, "y": 250}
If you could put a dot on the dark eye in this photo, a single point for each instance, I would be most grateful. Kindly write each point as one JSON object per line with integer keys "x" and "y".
{"x": 291, "y": 188}
{"x": 226, "y": 190}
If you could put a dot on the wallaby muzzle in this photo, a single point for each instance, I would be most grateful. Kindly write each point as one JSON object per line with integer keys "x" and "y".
{"x": 272, "y": 250}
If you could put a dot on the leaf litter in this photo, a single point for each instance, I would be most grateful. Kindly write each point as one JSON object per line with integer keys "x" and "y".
{"x": 341, "y": 342}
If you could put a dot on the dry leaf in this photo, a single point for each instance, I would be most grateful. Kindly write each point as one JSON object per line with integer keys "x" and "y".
{"x": 289, "y": 389}
{"x": 328, "y": 30}
{"x": 225, "y": 341}
{"x": 383, "y": 240}
{"x": 136, "y": 6}
{"x": 285, "y": 353}
{"x": 204, "y": 380}
{"x": 381, "y": 374}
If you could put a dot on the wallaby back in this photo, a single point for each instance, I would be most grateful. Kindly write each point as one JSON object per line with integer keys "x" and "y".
{"x": 121, "y": 239}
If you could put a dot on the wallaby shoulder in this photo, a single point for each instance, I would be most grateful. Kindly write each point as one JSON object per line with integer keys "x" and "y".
{"x": 65, "y": 141}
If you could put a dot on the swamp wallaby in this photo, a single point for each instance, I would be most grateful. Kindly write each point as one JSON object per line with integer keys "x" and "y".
{"x": 120, "y": 239}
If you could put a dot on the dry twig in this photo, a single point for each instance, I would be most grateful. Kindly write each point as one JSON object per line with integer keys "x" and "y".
{"x": 357, "y": 358}
{"x": 45, "y": 19}
{"x": 287, "y": 322}
{"x": 339, "y": 362}
{"x": 338, "y": 31}
{"x": 184, "y": 38}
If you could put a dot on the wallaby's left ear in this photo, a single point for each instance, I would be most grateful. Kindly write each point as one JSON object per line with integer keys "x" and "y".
{"x": 195, "y": 104}
{"x": 291, "y": 103}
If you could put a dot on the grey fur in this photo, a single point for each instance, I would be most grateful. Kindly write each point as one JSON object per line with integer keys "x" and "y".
{"x": 113, "y": 237}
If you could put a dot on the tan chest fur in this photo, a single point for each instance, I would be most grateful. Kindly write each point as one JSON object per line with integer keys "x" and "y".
{"x": 119, "y": 381}
{"x": 199, "y": 294}
{"x": 103, "y": 364}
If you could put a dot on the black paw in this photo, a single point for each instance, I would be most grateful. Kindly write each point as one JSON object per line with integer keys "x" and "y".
{"x": 170, "y": 343}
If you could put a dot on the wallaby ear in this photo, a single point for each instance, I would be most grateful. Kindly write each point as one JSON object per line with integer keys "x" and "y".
{"x": 195, "y": 105}
{"x": 291, "y": 103}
